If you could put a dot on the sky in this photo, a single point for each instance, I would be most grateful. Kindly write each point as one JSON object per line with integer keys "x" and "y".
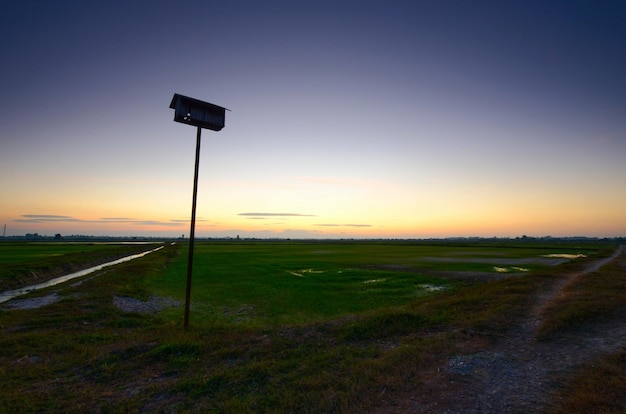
{"x": 347, "y": 119}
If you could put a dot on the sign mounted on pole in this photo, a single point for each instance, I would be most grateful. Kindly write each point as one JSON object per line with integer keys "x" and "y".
{"x": 201, "y": 115}
{"x": 198, "y": 113}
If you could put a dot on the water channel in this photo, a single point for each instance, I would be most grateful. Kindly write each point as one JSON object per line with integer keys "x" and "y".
{"x": 10, "y": 294}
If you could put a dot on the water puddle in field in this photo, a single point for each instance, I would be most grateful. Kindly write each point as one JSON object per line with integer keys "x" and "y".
{"x": 10, "y": 294}
{"x": 509, "y": 269}
{"x": 303, "y": 272}
{"x": 430, "y": 288}
{"x": 564, "y": 256}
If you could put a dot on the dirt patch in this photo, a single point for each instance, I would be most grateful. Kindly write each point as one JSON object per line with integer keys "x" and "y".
{"x": 32, "y": 303}
{"x": 546, "y": 261}
{"x": 473, "y": 277}
{"x": 124, "y": 303}
{"x": 152, "y": 306}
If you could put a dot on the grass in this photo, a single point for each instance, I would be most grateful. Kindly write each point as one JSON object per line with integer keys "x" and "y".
{"x": 30, "y": 252}
{"x": 283, "y": 283}
{"x": 599, "y": 388}
{"x": 262, "y": 339}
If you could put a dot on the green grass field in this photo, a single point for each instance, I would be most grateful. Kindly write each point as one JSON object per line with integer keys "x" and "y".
{"x": 294, "y": 282}
{"x": 29, "y": 253}
{"x": 276, "y": 327}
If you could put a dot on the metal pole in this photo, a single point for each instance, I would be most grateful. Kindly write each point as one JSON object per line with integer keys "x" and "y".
{"x": 192, "y": 231}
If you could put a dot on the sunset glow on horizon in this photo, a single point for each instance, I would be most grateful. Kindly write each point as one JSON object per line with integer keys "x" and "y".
{"x": 348, "y": 120}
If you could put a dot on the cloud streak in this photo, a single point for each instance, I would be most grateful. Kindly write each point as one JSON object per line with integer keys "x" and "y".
{"x": 342, "y": 225}
{"x": 275, "y": 215}
{"x": 44, "y": 218}
{"x": 50, "y": 218}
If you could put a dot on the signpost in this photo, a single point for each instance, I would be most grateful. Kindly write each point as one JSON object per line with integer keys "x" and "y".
{"x": 201, "y": 115}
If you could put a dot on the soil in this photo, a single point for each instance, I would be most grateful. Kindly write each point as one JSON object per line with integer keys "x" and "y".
{"x": 518, "y": 374}
{"x": 154, "y": 305}
{"x": 127, "y": 304}
{"x": 32, "y": 303}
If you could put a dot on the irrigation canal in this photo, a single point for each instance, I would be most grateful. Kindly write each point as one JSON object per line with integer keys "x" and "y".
{"x": 10, "y": 294}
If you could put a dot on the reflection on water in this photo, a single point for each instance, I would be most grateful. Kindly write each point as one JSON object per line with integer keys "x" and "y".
{"x": 565, "y": 255}
{"x": 509, "y": 269}
{"x": 8, "y": 295}
{"x": 303, "y": 271}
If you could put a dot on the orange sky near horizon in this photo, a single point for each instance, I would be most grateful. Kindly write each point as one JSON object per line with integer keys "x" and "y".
{"x": 359, "y": 210}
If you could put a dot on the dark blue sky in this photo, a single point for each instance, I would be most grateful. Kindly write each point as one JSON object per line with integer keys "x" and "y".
{"x": 407, "y": 118}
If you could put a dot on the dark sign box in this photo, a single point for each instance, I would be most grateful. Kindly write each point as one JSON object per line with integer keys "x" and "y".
{"x": 198, "y": 113}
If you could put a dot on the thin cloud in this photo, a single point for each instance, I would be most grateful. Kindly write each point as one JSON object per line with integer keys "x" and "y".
{"x": 343, "y": 225}
{"x": 173, "y": 223}
{"x": 186, "y": 221}
{"x": 117, "y": 219}
{"x": 136, "y": 221}
{"x": 51, "y": 218}
{"x": 46, "y": 218}
{"x": 155, "y": 223}
{"x": 275, "y": 215}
